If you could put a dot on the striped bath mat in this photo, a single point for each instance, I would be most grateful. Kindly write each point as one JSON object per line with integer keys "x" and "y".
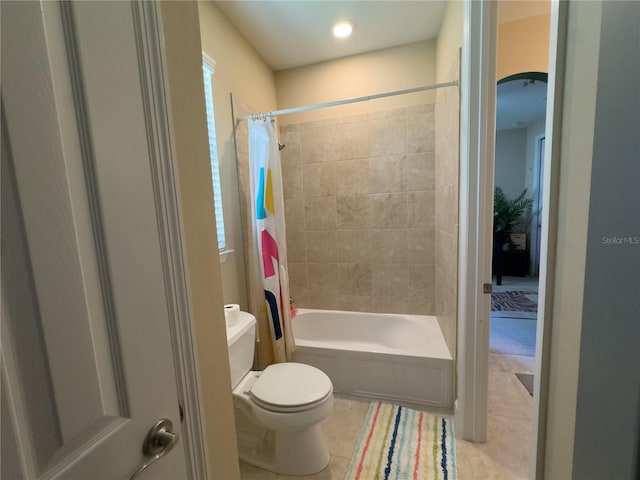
{"x": 401, "y": 443}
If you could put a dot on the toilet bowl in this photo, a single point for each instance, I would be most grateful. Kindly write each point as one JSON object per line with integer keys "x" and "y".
{"x": 278, "y": 410}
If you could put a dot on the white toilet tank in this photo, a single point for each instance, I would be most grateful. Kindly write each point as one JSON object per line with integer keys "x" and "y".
{"x": 241, "y": 339}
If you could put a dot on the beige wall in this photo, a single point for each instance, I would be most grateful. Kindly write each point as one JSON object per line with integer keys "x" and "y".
{"x": 523, "y": 45}
{"x": 391, "y": 69}
{"x": 447, "y": 167}
{"x": 449, "y": 41}
{"x": 359, "y": 205}
{"x": 184, "y": 67}
{"x": 241, "y": 71}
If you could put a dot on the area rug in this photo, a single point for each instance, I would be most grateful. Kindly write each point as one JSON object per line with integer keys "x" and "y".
{"x": 404, "y": 444}
{"x": 526, "y": 379}
{"x": 516, "y": 301}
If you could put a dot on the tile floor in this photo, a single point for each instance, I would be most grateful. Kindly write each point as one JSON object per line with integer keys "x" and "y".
{"x": 504, "y": 457}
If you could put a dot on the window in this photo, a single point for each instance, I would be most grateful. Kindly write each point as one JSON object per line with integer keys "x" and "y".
{"x": 208, "y": 68}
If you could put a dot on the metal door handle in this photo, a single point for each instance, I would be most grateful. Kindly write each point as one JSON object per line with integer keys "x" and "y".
{"x": 158, "y": 442}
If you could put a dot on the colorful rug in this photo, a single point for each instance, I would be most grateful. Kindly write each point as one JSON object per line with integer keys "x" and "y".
{"x": 516, "y": 301}
{"x": 398, "y": 443}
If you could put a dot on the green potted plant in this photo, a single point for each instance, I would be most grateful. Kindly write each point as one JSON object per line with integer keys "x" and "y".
{"x": 506, "y": 215}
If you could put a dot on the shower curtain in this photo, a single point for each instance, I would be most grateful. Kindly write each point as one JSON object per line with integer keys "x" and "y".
{"x": 267, "y": 213}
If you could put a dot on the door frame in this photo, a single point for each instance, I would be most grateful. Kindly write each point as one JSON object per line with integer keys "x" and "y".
{"x": 476, "y": 201}
{"x": 155, "y": 90}
{"x": 477, "y": 150}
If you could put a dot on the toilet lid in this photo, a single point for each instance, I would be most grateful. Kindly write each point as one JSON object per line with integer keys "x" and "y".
{"x": 291, "y": 385}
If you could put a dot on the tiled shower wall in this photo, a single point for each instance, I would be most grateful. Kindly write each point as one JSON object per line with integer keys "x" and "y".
{"x": 360, "y": 211}
{"x": 446, "y": 194}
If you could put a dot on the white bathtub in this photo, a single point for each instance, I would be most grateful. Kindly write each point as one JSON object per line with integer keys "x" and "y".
{"x": 400, "y": 358}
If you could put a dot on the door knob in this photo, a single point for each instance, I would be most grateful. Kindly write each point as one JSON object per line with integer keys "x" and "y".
{"x": 158, "y": 442}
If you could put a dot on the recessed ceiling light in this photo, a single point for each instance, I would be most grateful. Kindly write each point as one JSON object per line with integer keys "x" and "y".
{"x": 343, "y": 28}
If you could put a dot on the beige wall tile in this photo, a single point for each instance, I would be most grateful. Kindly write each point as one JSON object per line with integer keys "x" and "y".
{"x": 294, "y": 214}
{"x": 421, "y": 281}
{"x": 320, "y": 213}
{"x": 451, "y": 211}
{"x": 421, "y": 133}
{"x": 292, "y": 182}
{"x": 317, "y": 145}
{"x": 319, "y": 180}
{"x": 421, "y": 305}
{"x": 388, "y": 174}
{"x": 390, "y": 280}
{"x": 396, "y": 305}
{"x": 389, "y": 113}
{"x": 322, "y": 278}
{"x": 389, "y": 246}
{"x": 352, "y": 177}
{"x": 387, "y": 136}
{"x": 360, "y": 193}
{"x": 447, "y": 254}
{"x": 353, "y": 212}
{"x": 296, "y": 246}
{"x": 351, "y": 141}
{"x": 290, "y": 156}
{"x": 420, "y": 171}
{"x": 446, "y": 165}
{"x": 389, "y": 210}
{"x": 421, "y": 245}
{"x": 447, "y": 208}
{"x": 422, "y": 108}
{"x": 421, "y": 209}
{"x": 354, "y": 246}
{"x": 446, "y": 212}
{"x": 355, "y": 303}
{"x": 297, "y": 274}
{"x": 321, "y": 246}
{"x": 297, "y": 280}
{"x": 322, "y": 301}
{"x": 355, "y": 279}
{"x": 446, "y": 306}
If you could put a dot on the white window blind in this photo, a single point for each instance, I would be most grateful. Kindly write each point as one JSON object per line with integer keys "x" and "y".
{"x": 208, "y": 69}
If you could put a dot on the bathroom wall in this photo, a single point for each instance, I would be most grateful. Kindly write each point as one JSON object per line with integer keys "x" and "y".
{"x": 523, "y": 37}
{"x": 241, "y": 71}
{"x": 360, "y": 211}
{"x": 447, "y": 161}
{"x": 184, "y": 71}
{"x": 511, "y": 158}
{"x": 533, "y": 131}
{"x": 396, "y": 68}
{"x": 449, "y": 40}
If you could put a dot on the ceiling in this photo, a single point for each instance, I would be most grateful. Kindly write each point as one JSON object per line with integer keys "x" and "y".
{"x": 293, "y": 33}
{"x": 288, "y": 34}
{"x": 520, "y": 103}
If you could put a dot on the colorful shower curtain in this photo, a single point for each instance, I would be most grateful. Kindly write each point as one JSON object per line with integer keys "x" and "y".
{"x": 269, "y": 231}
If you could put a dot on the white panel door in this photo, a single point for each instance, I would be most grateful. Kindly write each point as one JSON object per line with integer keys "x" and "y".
{"x": 87, "y": 355}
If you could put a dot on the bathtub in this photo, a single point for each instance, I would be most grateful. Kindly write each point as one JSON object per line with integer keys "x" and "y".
{"x": 398, "y": 358}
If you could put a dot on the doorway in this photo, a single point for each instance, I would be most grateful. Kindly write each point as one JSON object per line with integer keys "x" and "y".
{"x": 519, "y": 152}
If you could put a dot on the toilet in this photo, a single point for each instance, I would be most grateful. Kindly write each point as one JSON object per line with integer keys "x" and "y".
{"x": 278, "y": 410}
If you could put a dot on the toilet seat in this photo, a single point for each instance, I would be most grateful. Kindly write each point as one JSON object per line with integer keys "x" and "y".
{"x": 291, "y": 387}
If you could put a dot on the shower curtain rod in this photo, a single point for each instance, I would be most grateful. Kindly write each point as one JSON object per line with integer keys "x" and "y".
{"x": 316, "y": 106}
